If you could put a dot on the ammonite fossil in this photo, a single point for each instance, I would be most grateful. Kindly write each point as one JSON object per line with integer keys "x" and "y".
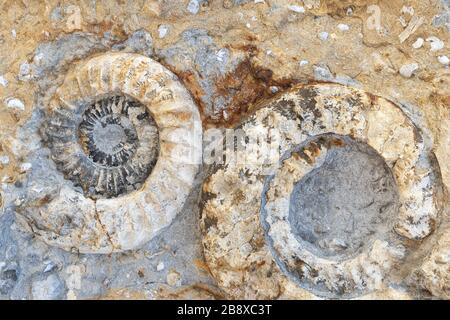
{"x": 114, "y": 146}
{"x": 126, "y": 136}
{"x": 337, "y": 207}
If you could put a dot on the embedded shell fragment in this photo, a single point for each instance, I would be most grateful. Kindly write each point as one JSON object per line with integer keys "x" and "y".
{"x": 127, "y": 138}
{"x": 250, "y": 239}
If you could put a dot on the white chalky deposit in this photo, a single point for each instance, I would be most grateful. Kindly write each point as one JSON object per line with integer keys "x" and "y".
{"x": 436, "y": 44}
{"x": 15, "y": 103}
{"x": 3, "y": 81}
{"x": 296, "y": 8}
{"x": 418, "y": 43}
{"x": 343, "y": 27}
{"x": 444, "y": 60}
{"x": 163, "y": 30}
{"x": 407, "y": 70}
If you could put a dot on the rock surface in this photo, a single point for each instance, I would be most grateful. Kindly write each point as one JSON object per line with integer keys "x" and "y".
{"x": 232, "y": 57}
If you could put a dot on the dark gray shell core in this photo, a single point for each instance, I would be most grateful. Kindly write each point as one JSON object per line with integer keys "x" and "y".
{"x": 109, "y": 149}
{"x": 336, "y": 208}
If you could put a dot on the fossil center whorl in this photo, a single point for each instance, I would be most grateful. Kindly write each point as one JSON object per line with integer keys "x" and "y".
{"x": 110, "y": 150}
{"x": 107, "y": 134}
{"x": 338, "y": 207}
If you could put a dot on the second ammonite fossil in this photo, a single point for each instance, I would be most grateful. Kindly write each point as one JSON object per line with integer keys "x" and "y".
{"x": 327, "y": 190}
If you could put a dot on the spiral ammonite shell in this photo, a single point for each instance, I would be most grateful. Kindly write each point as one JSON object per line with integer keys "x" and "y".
{"x": 127, "y": 136}
{"x": 114, "y": 146}
{"x": 354, "y": 187}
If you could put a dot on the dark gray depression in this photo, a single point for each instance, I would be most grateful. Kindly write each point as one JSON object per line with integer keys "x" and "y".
{"x": 339, "y": 208}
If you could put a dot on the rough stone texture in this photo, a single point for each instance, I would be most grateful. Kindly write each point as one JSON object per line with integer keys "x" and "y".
{"x": 339, "y": 206}
{"x": 253, "y": 254}
{"x": 230, "y": 55}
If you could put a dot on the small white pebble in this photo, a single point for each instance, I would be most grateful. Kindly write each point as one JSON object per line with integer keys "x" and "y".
{"x": 193, "y": 6}
{"x": 419, "y": 43}
{"x": 3, "y": 81}
{"x": 297, "y": 9}
{"x": 37, "y": 189}
{"x": 173, "y": 278}
{"x": 408, "y": 70}
{"x": 248, "y": 25}
{"x": 403, "y": 22}
{"x": 259, "y": 1}
{"x": 37, "y": 59}
{"x": 24, "y": 71}
{"x": 4, "y": 160}
{"x": 24, "y": 68}
{"x": 269, "y": 52}
{"x": 274, "y": 89}
{"x": 343, "y": 27}
{"x": 49, "y": 266}
{"x": 160, "y": 266}
{"x": 323, "y": 35}
{"x": 15, "y": 103}
{"x": 409, "y": 10}
{"x": 26, "y": 166}
{"x": 322, "y": 72}
{"x": 222, "y": 55}
{"x": 444, "y": 60}
{"x": 13, "y": 33}
{"x": 304, "y": 63}
{"x": 163, "y": 30}
{"x": 435, "y": 43}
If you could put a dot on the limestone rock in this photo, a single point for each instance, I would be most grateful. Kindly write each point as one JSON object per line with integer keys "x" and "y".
{"x": 94, "y": 200}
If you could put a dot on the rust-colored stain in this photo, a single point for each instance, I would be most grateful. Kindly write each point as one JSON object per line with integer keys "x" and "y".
{"x": 244, "y": 87}
{"x": 202, "y": 265}
{"x": 337, "y": 142}
{"x": 123, "y": 294}
{"x": 314, "y": 149}
{"x": 184, "y": 116}
{"x": 196, "y": 291}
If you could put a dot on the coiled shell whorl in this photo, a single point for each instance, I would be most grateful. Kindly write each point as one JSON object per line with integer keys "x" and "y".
{"x": 126, "y": 136}
{"x": 335, "y": 212}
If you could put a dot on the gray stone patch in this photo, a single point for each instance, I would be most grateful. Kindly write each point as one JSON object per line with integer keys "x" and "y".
{"x": 196, "y": 52}
{"x": 336, "y": 208}
{"x": 8, "y": 279}
{"x": 140, "y": 41}
{"x": 65, "y": 49}
{"x": 323, "y": 73}
{"x": 442, "y": 20}
{"x": 50, "y": 288}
